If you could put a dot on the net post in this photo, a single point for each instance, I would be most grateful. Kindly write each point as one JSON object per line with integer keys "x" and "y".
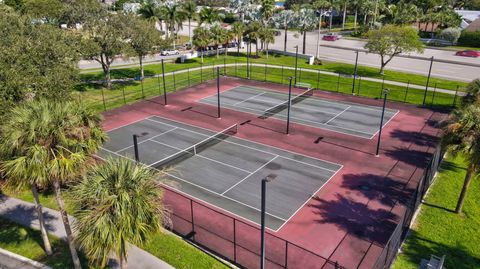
{"x": 135, "y": 147}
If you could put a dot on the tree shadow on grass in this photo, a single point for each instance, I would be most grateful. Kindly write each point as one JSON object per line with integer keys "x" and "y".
{"x": 375, "y": 225}
{"x": 457, "y": 256}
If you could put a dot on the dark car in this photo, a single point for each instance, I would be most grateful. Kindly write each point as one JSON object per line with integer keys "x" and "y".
{"x": 468, "y": 53}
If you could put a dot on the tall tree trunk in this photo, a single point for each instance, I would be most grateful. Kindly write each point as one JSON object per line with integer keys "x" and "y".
{"x": 365, "y": 19}
{"x": 189, "y": 32}
{"x": 41, "y": 221}
{"x": 142, "y": 74}
{"x": 66, "y": 224}
{"x": 355, "y": 19}
{"x": 304, "y": 41}
{"x": 267, "y": 49}
{"x": 108, "y": 77}
{"x": 468, "y": 178}
{"x": 330, "y": 21}
{"x": 319, "y": 32}
{"x": 201, "y": 55}
{"x": 285, "y": 41}
{"x": 344, "y": 14}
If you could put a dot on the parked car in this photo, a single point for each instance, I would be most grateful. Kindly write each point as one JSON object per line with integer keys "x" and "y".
{"x": 331, "y": 37}
{"x": 468, "y": 53}
{"x": 169, "y": 52}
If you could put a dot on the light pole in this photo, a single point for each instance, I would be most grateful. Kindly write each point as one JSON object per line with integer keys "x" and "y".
{"x": 385, "y": 93}
{"x": 296, "y": 64}
{"x": 268, "y": 178}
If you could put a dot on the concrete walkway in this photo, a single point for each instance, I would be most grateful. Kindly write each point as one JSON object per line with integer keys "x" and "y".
{"x": 24, "y": 213}
{"x": 378, "y": 80}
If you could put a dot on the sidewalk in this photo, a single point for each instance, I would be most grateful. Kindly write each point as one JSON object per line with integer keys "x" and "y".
{"x": 24, "y": 213}
{"x": 378, "y": 80}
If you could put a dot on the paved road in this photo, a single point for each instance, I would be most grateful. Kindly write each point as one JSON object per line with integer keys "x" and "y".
{"x": 443, "y": 70}
{"x": 24, "y": 213}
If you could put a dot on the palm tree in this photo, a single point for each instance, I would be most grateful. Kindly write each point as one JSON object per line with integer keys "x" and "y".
{"x": 201, "y": 39}
{"x": 226, "y": 37}
{"x": 266, "y": 10}
{"x": 252, "y": 32}
{"x": 462, "y": 136}
{"x": 209, "y": 16}
{"x": 284, "y": 19}
{"x": 267, "y": 36}
{"x": 238, "y": 29}
{"x": 190, "y": 10}
{"x": 306, "y": 21}
{"x": 321, "y": 6}
{"x": 150, "y": 10}
{"x": 52, "y": 141}
{"x": 174, "y": 17}
{"x": 218, "y": 34}
{"x": 117, "y": 204}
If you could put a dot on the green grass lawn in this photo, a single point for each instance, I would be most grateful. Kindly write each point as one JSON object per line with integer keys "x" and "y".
{"x": 276, "y": 59}
{"x": 28, "y": 243}
{"x": 438, "y": 230}
{"x": 165, "y": 246}
{"x": 131, "y": 91}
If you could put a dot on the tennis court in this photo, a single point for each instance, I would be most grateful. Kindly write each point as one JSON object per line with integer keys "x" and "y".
{"x": 224, "y": 170}
{"x": 347, "y": 118}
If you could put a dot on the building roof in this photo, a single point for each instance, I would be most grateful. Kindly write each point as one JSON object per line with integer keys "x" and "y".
{"x": 473, "y": 26}
{"x": 468, "y": 15}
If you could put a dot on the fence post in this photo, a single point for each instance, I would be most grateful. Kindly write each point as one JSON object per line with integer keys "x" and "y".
{"x": 282, "y": 76}
{"x": 103, "y": 99}
{"x": 286, "y": 254}
{"x": 143, "y": 92}
{"x": 265, "y": 78}
{"x": 338, "y": 82}
{"x": 234, "y": 241}
{"x": 201, "y": 73}
{"x": 455, "y": 97}
{"x": 235, "y": 68}
{"x": 159, "y": 87}
{"x": 300, "y": 75}
{"x": 213, "y": 69}
{"x": 188, "y": 76}
{"x": 406, "y": 92}
{"x": 123, "y": 92}
{"x": 434, "y": 90}
{"x": 174, "y": 82}
{"x": 383, "y": 85}
{"x": 359, "y": 85}
{"x": 318, "y": 80}
{"x": 193, "y": 223}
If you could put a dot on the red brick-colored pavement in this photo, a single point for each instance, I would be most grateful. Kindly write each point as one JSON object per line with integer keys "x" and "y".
{"x": 351, "y": 218}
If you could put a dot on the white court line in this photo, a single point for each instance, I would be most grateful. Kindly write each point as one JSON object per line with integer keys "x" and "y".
{"x": 316, "y": 98}
{"x": 301, "y": 121}
{"x": 309, "y": 198}
{"x": 226, "y": 141}
{"x": 141, "y": 142}
{"x": 251, "y": 97}
{"x": 337, "y": 115}
{"x": 385, "y": 124}
{"x": 206, "y": 189}
{"x": 252, "y": 173}
{"x": 204, "y": 157}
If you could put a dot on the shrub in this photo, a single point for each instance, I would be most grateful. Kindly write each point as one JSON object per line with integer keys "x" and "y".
{"x": 450, "y": 34}
{"x": 470, "y": 39}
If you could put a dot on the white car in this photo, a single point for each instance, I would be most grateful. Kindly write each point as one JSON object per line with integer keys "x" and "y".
{"x": 169, "y": 52}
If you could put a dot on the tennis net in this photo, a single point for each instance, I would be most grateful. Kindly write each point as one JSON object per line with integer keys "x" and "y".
{"x": 282, "y": 106}
{"x": 196, "y": 148}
